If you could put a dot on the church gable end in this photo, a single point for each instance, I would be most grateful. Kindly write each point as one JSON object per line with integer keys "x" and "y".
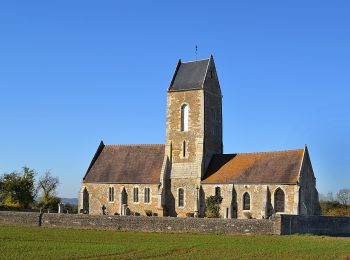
{"x": 308, "y": 195}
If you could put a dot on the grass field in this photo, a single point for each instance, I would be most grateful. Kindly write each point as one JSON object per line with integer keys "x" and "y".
{"x": 55, "y": 243}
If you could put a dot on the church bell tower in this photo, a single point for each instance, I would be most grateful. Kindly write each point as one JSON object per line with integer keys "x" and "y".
{"x": 193, "y": 133}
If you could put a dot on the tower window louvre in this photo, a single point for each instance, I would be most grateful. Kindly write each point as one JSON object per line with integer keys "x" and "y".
{"x": 181, "y": 197}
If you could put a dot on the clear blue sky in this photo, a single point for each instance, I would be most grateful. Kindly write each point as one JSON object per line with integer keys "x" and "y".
{"x": 75, "y": 72}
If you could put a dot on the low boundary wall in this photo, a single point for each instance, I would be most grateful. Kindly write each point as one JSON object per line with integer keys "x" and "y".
{"x": 20, "y": 218}
{"x": 141, "y": 223}
{"x": 160, "y": 224}
{"x": 317, "y": 225}
{"x": 279, "y": 225}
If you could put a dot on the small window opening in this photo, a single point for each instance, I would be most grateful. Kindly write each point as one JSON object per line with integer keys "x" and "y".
{"x": 279, "y": 200}
{"x": 136, "y": 194}
{"x": 184, "y": 149}
{"x": 217, "y": 191}
{"x": 111, "y": 194}
{"x": 246, "y": 201}
{"x": 181, "y": 197}
{"x": 184, "y": 118}
{"x": 124, "y": 196}
{"x": 147, "y": 195}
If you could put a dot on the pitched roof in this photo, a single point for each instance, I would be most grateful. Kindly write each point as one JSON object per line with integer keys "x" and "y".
{"x": 265, "y": 167}
{"x": 189, "y": 75}
{"x": 126, "y": 164}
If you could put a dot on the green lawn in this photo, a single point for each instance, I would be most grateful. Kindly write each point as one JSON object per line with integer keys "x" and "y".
{"x": 56, "y": 243}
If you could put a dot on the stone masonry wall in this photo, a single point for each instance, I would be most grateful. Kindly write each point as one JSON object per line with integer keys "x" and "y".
{"x": 317, "y": 225}
{"x": 279, "y": 225}
{"x": 309, "y": 202}
{"x": 175, "y": 100}
{"x": 98, "y": 196}
{"x": 20, "y": 218}
{"x": 190, "y": 196}
{"x": 141, "y": 223}
{"x": 185, "y": 171}
{"x": 261, "y": 198}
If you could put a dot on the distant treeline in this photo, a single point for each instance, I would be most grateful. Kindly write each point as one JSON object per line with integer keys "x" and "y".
{"x": 336, "y": 206}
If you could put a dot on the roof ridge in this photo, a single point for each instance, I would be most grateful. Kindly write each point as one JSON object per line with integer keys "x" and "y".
{"x": 195, "y": 60}
{"x": 279, "y": 151}
{"x": 118, "y": 145}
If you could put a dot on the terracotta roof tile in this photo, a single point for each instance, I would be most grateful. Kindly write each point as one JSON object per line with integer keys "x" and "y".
{"x": 265, "y": 167}
{"x": 127, "y": 164}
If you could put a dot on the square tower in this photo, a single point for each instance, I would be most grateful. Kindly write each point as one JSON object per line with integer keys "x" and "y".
{"x": 193, "y": 132}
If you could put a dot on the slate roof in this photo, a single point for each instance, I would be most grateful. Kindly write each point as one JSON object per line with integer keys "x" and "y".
{"x": 126, "y": 164}
{"x": 265, "y": 167}
{"x": 189, "y": 75}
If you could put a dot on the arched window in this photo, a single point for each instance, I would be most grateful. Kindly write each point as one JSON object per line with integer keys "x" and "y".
{"x": 217, "y": 191}
{"x": 246, "y": 201}
{"x": 279, "y": 200}
{"x": 184, "y": 117}
{"x": 124, "y": 199}
{"x": 181, "y": 197}
{"x": 85, "y": 201}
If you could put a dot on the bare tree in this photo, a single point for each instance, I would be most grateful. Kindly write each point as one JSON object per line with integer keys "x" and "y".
{"x": 330, "y": 196}
{"x": 343, "y": 196}
{"x": 47, "y": 185}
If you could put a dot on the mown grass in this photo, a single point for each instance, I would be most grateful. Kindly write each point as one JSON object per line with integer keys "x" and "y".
{"x": 57, "y": 243}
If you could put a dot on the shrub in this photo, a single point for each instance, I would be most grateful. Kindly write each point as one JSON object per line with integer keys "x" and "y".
{"x": 334, "y": 208}
{"x": 71, "y": 208}
{"x": 190, "y": 214}
{"x": 248, "y": 215}
{"x": 212, "y": 204}
{"x": 50, "y": 203}
{"x": 10, "y": 203}
{"x": 148, "y": 212}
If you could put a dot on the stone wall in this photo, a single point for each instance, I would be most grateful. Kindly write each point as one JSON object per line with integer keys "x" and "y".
{"x": 20, "y": 218}
{"x": 141, "y": 223}
{"x": 317, "y": 225}
{"x": 155, "y": 224}
{"x": 262, "y": 199}
{"x": 279, "y": 225}
{"x": 175, "y": 100}
{"x": 309, "y": 202}
{"x": 98, "y": 196}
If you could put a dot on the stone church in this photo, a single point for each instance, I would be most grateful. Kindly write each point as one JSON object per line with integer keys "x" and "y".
{"x": 173, "y": 179}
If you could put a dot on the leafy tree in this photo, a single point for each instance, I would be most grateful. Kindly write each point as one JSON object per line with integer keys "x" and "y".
{"x": 343, "y": 196}
{"x": 47, "y": 186}
{"x": 17, "y": 190}
{"x": 212, "y": 205}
